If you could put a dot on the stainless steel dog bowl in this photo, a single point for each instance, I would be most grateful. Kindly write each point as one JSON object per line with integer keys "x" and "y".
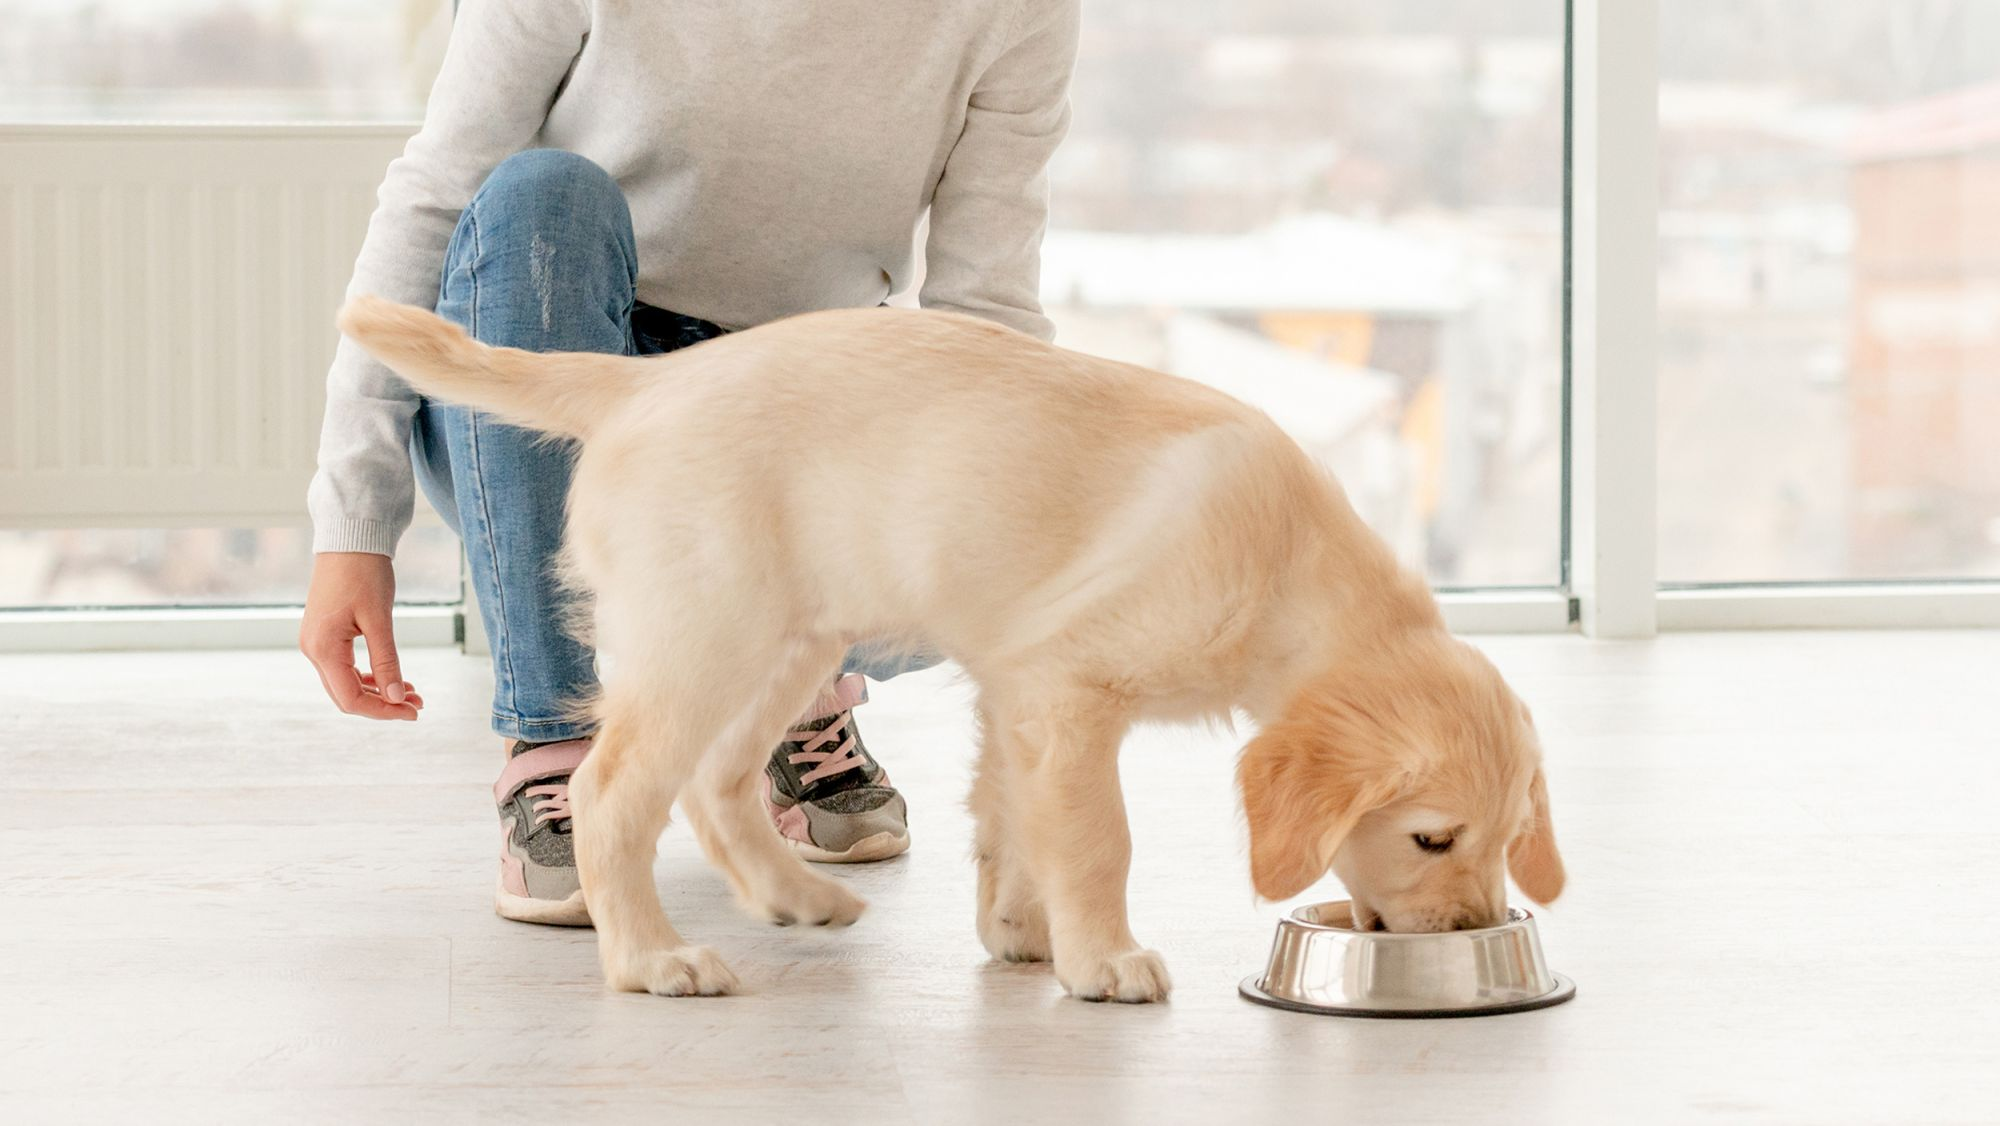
{"x": 1320, "y": 964}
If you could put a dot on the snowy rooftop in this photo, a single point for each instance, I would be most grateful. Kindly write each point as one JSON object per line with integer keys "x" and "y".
{"x": 1308, "y": 263}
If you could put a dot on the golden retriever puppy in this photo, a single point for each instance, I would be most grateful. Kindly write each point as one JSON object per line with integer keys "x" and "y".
{"x": 1094, "y": 543}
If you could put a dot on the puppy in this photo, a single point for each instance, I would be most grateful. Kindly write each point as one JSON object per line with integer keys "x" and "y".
{"x": 1094, "y": 543}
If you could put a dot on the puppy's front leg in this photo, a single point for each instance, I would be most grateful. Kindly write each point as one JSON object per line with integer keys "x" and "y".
{"x": 1071, "y": 826}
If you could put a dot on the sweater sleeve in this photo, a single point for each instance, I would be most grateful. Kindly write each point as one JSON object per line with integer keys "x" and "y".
{"x": 992, "y": 202}
{"x": 502, "y": 70}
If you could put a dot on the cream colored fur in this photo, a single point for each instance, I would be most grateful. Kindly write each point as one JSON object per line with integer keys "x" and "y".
{"x": 1093, "y": 542}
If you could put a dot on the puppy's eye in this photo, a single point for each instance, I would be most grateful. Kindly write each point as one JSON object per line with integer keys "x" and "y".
{"x": 1431, "y": 844}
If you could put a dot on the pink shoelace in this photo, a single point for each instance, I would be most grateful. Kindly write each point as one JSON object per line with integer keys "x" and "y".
{"x": 553, "y": 803}
{"x": 844, "y": 756}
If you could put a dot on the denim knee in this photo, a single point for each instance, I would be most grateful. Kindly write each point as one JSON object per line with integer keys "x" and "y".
{"x": 562, "y": 184}
{"x": 558, "y": 198}
{"x": 544, "y": 257}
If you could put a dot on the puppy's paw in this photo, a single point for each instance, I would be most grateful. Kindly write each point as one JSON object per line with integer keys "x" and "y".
{"x": 1132, "y": 976}
{"x": 812, "y": 900}
{"x": 1015, "y": 936}
{"x": 685, "y": 971}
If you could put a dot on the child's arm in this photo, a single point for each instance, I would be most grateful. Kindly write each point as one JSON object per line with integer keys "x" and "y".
{"x": 501, "y": 72}
{"x": 991, "y": 205}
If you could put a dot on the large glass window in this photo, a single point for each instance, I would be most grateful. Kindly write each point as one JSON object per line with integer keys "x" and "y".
{"x": 228, "y": 61}
{"x": 197, "y": 567}
{"x": 1349, "y": 215}
{"x": 1829, "y": 290}
{"x": 219, "y": 60}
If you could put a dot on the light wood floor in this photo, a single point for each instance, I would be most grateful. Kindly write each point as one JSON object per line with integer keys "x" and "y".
{"x": 222, "y": 901}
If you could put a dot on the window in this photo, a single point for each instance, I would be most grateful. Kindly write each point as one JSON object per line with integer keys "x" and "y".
{"x": 229, "y": 61}
{"x": 198, "y": 567}
{"x": 219, "y": 60}
{"x": 1351, "y": 216}
{"x": 1829, "y": 290}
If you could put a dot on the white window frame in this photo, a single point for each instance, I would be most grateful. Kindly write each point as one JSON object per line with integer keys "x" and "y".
{"x": 1610, "y": 587}
{"x": 1613, "y": 316}
{"x": 1613, "y": 467}
{"x": 205, "y": 627}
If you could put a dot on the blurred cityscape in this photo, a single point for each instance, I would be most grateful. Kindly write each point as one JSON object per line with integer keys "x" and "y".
{"x": 1829, "y": 290}
{"x": 1349, "y": 214}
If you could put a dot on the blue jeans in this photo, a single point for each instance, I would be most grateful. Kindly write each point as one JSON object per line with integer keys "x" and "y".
{"x": 543, "y": 259}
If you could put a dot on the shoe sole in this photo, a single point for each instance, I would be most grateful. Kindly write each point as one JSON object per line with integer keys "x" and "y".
{"x": 572, "y": 912}
{"x": 546, "y": 912}
{"x": 881, "y": 846}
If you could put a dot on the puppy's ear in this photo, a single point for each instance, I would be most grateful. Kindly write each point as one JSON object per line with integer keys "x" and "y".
{"x": 1532, "y": 858}
{"x": 1302, "y": 797}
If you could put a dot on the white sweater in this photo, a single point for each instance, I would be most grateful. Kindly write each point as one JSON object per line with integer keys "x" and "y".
{"x": 777, "y": 157}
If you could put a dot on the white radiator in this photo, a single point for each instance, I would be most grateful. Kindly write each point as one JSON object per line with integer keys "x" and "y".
{"x": 166, "y": 316}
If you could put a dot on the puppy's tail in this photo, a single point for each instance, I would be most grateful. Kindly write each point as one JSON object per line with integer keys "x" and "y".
{"x": 565, "y": 393}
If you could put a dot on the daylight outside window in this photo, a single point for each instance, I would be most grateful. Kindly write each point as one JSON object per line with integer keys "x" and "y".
{"x": 231, "y": 61}
{"x": 1350, "y": 217}
{"x": 219, "y": 60}
{"x": 1829, "y": 290}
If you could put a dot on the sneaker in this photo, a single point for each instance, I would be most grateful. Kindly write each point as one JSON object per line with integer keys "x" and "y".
{"x": 538, "y": 881}
{"x": 831, "y": 801}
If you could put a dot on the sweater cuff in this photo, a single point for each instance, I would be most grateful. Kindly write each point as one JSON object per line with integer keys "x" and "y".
{"x": 373, "y": 536}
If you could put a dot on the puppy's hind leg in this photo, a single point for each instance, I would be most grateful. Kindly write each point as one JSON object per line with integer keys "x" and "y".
{"x": 1013, "y": 922}
{"x": 620, "y": 798}
{"x": 725, "y": 805}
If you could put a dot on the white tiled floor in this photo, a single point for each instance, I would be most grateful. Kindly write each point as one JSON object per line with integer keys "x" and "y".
{"x": 224, "y": 901}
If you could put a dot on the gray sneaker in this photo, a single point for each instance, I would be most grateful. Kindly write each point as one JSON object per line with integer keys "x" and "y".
{"x": 830, "y": 800}
{"x": 538, "y": 881}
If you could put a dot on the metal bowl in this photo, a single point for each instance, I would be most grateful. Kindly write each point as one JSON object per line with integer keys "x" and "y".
{"x": 1320, "y": 964}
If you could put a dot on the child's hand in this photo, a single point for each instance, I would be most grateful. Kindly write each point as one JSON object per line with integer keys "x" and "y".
{"x": 353, "y": 594}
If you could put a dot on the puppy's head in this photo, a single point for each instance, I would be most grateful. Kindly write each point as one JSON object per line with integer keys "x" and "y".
{"x": 1415, "y": 775}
